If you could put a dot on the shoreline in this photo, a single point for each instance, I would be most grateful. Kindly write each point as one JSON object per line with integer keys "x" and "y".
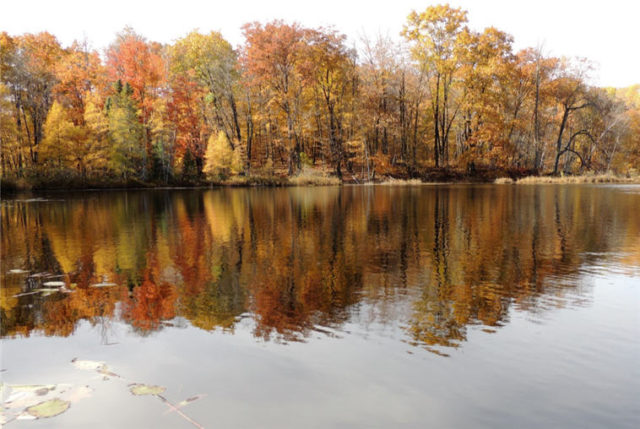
{"x": 285, "y": 183}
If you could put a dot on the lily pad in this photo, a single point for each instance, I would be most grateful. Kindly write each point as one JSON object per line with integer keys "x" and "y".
{"x": 49, "y": 408}
{"x": 27, "y": 395}
{"x": 18, "y": 271}
{"x": 145, "y": 389}
{"x": 55, "y": 283}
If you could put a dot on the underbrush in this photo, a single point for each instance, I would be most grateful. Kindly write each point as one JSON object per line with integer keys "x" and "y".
{"x": 402, "y": 182}
{"x": 313, "y": 177}
{"x": 587, "y": 178}
{"x": 253, "y": 180}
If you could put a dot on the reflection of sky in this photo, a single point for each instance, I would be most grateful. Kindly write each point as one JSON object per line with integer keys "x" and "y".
{"x": 575, "y": 367}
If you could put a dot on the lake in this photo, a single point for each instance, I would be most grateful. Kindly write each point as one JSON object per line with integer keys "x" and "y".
{"x": 444, "y": 306}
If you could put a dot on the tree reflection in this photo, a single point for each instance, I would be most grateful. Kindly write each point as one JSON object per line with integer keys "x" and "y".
{"x": 433, "y": 259}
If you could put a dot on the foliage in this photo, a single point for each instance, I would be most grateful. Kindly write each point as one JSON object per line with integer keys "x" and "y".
{"x": 221, "y": 160}
{"x": 290, "y": 96}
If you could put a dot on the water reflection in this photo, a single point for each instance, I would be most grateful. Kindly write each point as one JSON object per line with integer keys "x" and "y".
{"x": 433, "y": 260}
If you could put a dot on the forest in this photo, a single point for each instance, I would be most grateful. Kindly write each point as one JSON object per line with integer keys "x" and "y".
{"x": 443, "y": 101}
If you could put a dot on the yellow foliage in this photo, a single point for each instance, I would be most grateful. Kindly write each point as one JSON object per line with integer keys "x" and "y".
{"x": 221, "y": 160}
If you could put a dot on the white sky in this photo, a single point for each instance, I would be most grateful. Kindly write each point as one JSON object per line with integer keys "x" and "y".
{"x": 606, "y": 32}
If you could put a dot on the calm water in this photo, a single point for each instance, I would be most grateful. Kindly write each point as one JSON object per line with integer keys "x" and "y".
{"x": 429, "y": 306}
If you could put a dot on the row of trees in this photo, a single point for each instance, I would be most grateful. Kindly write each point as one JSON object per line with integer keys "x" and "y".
{"x": 446, "y": 96}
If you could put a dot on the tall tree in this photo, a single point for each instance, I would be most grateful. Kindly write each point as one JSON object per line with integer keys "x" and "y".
{"x": 213, "y": 63}
{"x": 125, "y": 133}
{"x": 134, "y": 61}
{"x": 30, "y": 62}
{"x": 273, "y": 53}
{"x": 439, "y": 37}
{"x": 329, "y": 67}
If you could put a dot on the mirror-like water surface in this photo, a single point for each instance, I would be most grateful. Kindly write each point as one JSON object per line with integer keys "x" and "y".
{"x": 444, "y": 306}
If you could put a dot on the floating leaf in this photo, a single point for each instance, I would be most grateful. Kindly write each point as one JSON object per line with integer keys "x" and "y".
{"x": 20, "y": 400}
{"x": 183, "y": 403}
{"x": 49, "y": 408}
{"x": 54, "y": 283}
{"x": 105, "y": 371}
{"x": 25, "y": 416}
{"x": 26, "y": 395}
{"x": 190, "y": 400}
{"x": 32, "y": 387}
{"x": 76, "y": 393}
{"x": 18, "y": 271}
{"x": 89, "y": 365}
{"x": 145, "y": 389}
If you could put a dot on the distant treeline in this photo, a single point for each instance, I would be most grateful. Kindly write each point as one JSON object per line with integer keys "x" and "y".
{"x": 289, "y": 98}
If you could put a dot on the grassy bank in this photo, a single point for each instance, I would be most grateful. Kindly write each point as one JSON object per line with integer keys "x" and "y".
{"x": 314, "y": 177}
{"x": 307, "y": 177}
{"x": 589, "y": 178}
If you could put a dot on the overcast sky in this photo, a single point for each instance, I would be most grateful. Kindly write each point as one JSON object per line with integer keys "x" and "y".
{"x": 606, "y": 32}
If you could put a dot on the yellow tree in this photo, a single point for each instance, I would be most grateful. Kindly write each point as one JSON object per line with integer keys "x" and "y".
{"x": 329, "y": 67}
{"x": 212, "y": 62}
{"x": 59, "y": 131}
{"x": 79, "y": 72}
{"x": 28, "y": 64}
{"x": 221, "y": 160}
{"x": 438, "y": 36}
{"x": 485, "y": 66}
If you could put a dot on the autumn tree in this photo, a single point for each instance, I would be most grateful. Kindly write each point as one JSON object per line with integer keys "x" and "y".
{"x": 221, "y": 159}
{"x": 329, "y": 67}
{"x": 571, "y": 94}
{"x": 481, "y": 116}
{"x": 127, "y": 150}
{"x": 75, "y": 150}
{"x": 58, "y": 132}
{"x": 211, "y": 60}
{"x": 28, "y": 72}
{"x": 96, "y": 131}
{"x": 272, "y": 55}
{"x": 391, "y": 93}
{"x": 138, "y": 63}
{"x": 79, "y": 72}
{"x": 186, "y": 112}
{"x": 439, "y": 37}
{"x": 163, "y": 133}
